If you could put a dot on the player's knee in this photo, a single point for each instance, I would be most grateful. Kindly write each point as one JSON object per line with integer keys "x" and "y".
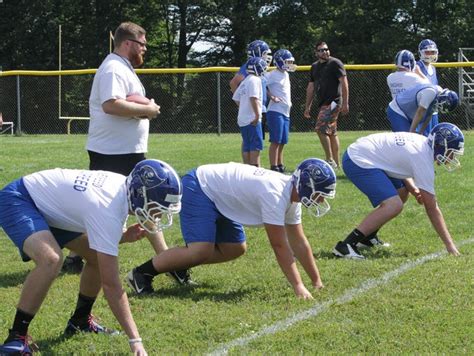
{"x": 394, "y": 206}
{"x": 51, "y": 262}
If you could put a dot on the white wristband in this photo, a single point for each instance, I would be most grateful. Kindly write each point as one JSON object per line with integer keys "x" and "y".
{"x": 134, "y": 341}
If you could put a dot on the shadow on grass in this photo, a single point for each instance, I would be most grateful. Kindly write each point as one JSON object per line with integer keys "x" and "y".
{"x": 197, "y": 293}
{"x": 374, "y": 253}
{"x": 12, "y": 279}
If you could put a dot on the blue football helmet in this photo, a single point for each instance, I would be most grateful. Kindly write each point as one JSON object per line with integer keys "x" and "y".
{"x": 447, "y": 142}
{"x": 446, "y": 101}
{"x": 154, "y": 194}
{"x": 428, "y": 45}
{"x": 257, "y": 66}
{"x": 315, "y": 182}
{"x": 284, "y": 60}
{"x": 405, "y": 59}
{"x": 259, "y": 48}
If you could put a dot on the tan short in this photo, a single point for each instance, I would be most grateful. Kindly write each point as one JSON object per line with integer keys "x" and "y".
{"x": 326, "y": 122}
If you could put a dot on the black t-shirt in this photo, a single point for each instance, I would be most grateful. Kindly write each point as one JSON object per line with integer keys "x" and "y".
{"x": 325, "y": 76}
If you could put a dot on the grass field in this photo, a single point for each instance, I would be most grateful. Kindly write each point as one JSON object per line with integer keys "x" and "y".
{"x": 410, "y": 298}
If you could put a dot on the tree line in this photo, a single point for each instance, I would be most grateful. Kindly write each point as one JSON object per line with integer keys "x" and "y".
{"x": 215, "y": 33}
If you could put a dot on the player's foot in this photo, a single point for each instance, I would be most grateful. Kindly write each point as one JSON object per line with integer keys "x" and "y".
{"x": 18, "y": 345}
{"x": 281, "y": 168}
{"x": 332, "y": 163}
{"x": 88, "y": 326}
{"x": 73, "y": 264}
{"x": 139, "y": 282}
{"x": 374, "y": 241}
{"x": 346, "y": 250}
{"x": 182, "y": 277}
{"x": 274, "y": 168}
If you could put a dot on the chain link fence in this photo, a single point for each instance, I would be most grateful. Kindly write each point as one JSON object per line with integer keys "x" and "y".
{"x": 195, "y": 102}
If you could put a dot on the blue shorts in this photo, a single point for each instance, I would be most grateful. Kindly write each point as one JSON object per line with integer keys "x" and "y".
{"x": 278, "y": 126}
{"x": 252, "y": 137}
{"x": 201, "y": 221}
{"x": 373, "y": 182}
{"x": 20, "y": 218}
{"x": 397, "y": 121}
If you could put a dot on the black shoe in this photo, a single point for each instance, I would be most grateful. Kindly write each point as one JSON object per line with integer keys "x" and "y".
{"x": 346, "y": 250}
{"x": 73, "y": 264}
{"x": 139, "y": 282}
{"x": 91, "y": 326}
{"x": 274, "y": 168}
{"x": 281, "y": 168}
{"x": 374, "y": 241}
{"x": 182, "y": 277}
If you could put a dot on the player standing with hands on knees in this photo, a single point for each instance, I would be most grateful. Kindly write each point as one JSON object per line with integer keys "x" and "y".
{"x": 388, "y": 166}
{"x": 328, "y": 79}
{"x": 84, "y": 211}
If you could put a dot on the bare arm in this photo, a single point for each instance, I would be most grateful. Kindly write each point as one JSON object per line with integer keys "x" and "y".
{"x": 303, "y": 252}
{"x": 437, "y": 220}
{"x": 284, "y": 255}
{"x": 127, "y": 109}
{"x": 309, "y": 99}
{"x": 256, "y": 111}
{"x": 117, "y": 298}
{"x": 420, "y": 73}
{"x": 235, "y": 82}
{"x": 417, "y": 118}
{"x": 345, "y": 94}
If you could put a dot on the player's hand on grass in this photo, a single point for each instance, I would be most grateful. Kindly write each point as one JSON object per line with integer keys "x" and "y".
{"x": 138, "y": 349}
{"x": 318, "y": 285}
{"x": 452, "y": 249}
{"x": 302, "y": 292}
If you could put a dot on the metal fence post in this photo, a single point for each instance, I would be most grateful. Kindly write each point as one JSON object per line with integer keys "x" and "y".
{"x": 18, "y": 105}
{"x": 219, "y": 125}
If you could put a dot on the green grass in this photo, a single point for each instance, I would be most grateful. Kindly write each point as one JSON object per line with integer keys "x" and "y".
{"x": 426, "y": 310}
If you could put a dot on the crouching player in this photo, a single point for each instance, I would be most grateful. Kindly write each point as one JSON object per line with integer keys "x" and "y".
{"x": 388, "y": 166}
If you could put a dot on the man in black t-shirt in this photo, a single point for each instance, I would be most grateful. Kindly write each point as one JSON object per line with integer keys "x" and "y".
{"x": 328, "y": 77}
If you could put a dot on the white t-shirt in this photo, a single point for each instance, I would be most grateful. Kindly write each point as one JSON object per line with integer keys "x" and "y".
{"x": 400, "y": 81}
{"x": 278, "y": 83}
{"x": 249, "y": 195}
{"x": 399, "y": 154}
{"x": 250, "y": 87}
{"x": 109, "y": 134}
{"x": 92, "y": 202}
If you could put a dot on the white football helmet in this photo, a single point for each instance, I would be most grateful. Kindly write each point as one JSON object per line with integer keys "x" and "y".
{"x": 447, "y": 142}
{"x": 428, "y": 45}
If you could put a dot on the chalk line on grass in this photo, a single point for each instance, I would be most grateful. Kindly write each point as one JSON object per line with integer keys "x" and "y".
{"x": 322, "y": 307}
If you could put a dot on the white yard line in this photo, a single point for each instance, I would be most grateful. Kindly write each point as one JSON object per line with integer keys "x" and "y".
{"x": 350, "y": 294}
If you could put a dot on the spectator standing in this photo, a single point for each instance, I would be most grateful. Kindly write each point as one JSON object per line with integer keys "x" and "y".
{"x": 329, "y": 79}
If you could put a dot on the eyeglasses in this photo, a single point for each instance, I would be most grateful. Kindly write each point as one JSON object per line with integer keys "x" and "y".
{"x": 142, "y": 44}
{"x": 321, "y": 50}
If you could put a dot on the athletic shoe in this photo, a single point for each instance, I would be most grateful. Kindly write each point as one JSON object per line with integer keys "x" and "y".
{"x": 374, "y": 241}
{"x": 332, "y": 163}
{"x": 91, "y": 326}
{"x": 73, "y": 265}
{"x": 346, "y": 250}
{"x": 282, "y": 168}
{"x": 139, "y": 282}
{"x": 18, "y": 345}
{"x": 182, "y": 277}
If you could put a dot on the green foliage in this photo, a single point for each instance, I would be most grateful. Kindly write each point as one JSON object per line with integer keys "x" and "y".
{"x": 426, "y": 309}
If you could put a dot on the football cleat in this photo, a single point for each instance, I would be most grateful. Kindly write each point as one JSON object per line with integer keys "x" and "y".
{"x": 18, "y": 345}
{"x": 139, "y": 282}
{"x": 91, "y": 326}
{"x": 374, "y": 241}
{"x": 73, "y": 265}
{"x": 346, "y": 250}
{"x": 182, "y": 277}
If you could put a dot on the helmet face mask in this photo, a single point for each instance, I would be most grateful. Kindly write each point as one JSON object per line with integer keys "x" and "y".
{"x": 405, "y": 60}
{"x": 259, "y": 48}
{"x": 154, "y": 194}
{"x": 446, "y": 101}
{"x": 315, "y": 183}
{"x": 284, "y": 60}
{"x": 428, "y": 51}
{"x": 447, "y": 142}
